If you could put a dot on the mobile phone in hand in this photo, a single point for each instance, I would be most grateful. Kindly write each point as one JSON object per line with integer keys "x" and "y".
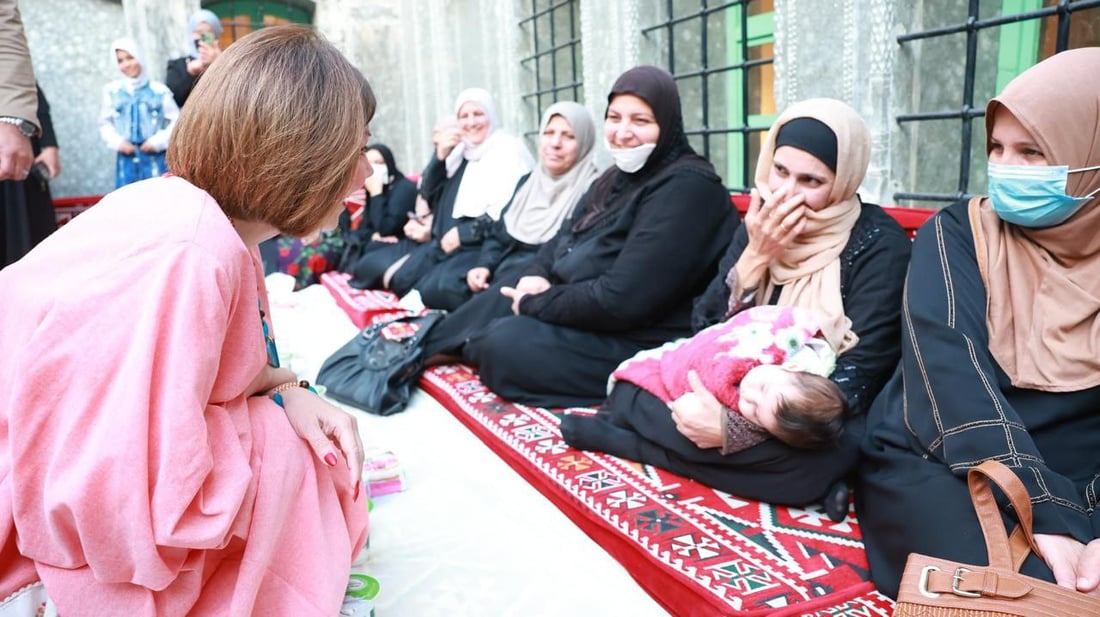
{"x": 41, "y": 173}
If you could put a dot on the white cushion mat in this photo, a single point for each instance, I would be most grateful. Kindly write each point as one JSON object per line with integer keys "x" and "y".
{"x": 468, "y": 536}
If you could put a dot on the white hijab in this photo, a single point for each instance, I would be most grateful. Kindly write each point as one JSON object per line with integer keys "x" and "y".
{"x": 128, "y": 45}
{"x": 545, "y": 200}
{"x": 493, "y": 167}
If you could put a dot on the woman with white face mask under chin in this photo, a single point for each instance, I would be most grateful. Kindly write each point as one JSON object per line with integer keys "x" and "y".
{"x": 619, "y": 275}
{"x": 807, "y": 241}
{"x": 1001, "y": 358}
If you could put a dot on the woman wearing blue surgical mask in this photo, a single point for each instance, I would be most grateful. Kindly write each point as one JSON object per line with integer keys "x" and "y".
{"x": 1001, "y": 346}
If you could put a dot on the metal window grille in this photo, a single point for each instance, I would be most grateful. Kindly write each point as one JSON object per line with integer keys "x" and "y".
{"x": 239, "y": 17}
{"x": 721, "y": 56}
{"x": 1045, "y": 41}
{"x": 554, "y": 62}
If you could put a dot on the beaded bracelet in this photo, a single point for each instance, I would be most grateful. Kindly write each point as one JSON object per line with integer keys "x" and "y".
{"x": 277, "y": 392}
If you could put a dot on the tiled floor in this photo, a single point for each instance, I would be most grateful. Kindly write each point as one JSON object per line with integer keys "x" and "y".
{"x": 468, "y": 536}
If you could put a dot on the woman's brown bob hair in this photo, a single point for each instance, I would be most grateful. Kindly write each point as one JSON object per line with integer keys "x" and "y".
{"x": 274, "y": 128}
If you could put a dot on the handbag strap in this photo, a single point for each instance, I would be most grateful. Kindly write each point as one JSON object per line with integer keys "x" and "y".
{"x": 1003, "y": 552}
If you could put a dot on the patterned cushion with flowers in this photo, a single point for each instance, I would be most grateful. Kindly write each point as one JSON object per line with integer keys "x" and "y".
{"x": 307, "y": 262}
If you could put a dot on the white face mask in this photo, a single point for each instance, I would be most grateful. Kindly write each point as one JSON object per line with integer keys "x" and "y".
{"x": 631, "y": 160}
{"x": 382, "y": 172}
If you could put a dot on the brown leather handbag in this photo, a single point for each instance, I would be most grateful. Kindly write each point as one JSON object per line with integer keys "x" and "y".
{"x": 932, "y": 587}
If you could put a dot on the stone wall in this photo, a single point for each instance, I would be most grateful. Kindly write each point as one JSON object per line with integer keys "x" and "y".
{"x": 929, "y": 77}
{"x": 72, "y": 65}
{"x": 842, "y": 49}
{"x": 419, "y": 55}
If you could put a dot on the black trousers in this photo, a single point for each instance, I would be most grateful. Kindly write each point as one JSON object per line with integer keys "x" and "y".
{"x": 445, "y": 287}
{"x": 451, "y": 333}
{"x": 421, "y": 261}
{"x": 536, "y": 363}
{"x": 368, "y": 268}
{"x": 526, "y": 360}
{"x": 634, "y": 424}
{"x": 26, "y": 218}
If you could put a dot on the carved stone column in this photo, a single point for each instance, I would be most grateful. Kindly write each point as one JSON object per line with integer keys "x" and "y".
{"x": 419, "y": 55}
{"x": 160, "y": 29}
{"x": 843, "y": 49}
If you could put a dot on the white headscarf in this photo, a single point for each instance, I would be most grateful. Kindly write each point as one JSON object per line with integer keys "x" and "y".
{"x": 545, "y": 200}
{"x": 128, "y": 45}
{"x": 493, "y": 166}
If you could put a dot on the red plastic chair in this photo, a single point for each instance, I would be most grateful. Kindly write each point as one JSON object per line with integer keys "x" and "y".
{"x": 65, "y": 208}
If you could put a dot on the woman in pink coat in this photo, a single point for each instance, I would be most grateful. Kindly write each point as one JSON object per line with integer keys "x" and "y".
{"x": 154, "y": 459}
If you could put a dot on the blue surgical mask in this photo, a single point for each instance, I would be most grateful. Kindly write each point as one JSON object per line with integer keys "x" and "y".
{"x": 1034, "y": 195}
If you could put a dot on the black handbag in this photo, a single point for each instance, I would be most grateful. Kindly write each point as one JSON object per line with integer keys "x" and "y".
{"x": 375, "y": 371}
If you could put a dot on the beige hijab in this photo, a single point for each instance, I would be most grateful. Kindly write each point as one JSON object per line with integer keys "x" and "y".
{"x": 546, "y": 200}
{"x": 1043, "y": 285}
{"x": 809, "y": 270}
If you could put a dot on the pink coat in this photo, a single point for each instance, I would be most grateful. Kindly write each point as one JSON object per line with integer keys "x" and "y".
{"x": 134, "y": 476}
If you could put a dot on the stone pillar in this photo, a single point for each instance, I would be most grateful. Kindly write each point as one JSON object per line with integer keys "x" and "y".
{"x": 875, "y": 60}
{"x": 611, "y": 44}
{"x": 371, "y": 36}
{"x": 861, "y": 33}
{"x": 160, "y": 29}
{"x": 419, "y": 55}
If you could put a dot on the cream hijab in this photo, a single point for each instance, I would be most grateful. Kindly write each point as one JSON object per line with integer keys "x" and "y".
{"x": 1043, "y": 285}
{"x": 809, "y": 270}
{"x": 493, "y": 167}
{"x": 544, "y": 201}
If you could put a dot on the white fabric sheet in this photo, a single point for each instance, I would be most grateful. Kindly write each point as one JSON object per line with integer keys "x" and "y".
{"x": 468, "y": 536}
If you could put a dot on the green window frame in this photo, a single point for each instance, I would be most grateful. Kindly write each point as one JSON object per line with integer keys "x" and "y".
{"x": 1022, "y": 42}
{"x": 1018, "y": 47}
{"x": 258, "y": 14}
{"x": 760, "y": 31}
{"x": 721, "y": 55}
{"x": 554, "y": 64}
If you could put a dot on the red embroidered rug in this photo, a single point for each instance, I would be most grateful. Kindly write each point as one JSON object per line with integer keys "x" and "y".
{"x": 363, "y": 306}
{"x": 696, "y": 550}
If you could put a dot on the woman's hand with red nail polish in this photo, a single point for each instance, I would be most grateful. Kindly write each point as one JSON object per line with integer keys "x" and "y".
{"x": 323, "y": 426}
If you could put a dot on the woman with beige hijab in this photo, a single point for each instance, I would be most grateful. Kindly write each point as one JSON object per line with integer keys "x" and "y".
{"x": 808, "y": 241}
{"x": 1001, "y": 346}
